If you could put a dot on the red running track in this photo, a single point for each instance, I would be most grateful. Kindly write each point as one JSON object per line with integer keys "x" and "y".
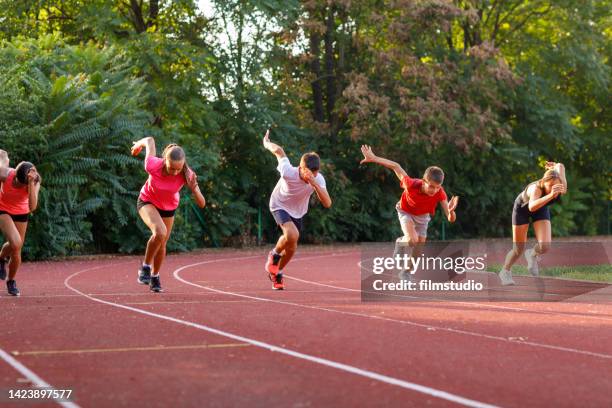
{"x": 219, "y": 336}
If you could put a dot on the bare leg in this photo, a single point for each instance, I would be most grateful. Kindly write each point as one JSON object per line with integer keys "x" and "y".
{"x": 14, "y": 233}
{"x": 543, "y": 233}
{"x": 160, "y": 255}
{"x": 154, "y": 221}
{"x": 519, "y": 238}
{"x": 288, "y": 242}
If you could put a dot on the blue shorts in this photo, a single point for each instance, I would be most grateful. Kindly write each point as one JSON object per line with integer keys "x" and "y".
{"x": 282, "y": 216}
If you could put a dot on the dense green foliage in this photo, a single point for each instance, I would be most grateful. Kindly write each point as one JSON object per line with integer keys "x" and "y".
{"x": 488, "y": 90}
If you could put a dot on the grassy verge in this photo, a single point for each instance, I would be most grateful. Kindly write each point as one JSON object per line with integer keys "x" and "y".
{"x": 594, "y": 273}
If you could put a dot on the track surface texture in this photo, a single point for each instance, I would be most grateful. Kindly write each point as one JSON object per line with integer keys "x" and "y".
{"x": 219, "y": 336}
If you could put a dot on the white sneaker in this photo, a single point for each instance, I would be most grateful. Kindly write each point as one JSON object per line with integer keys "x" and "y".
{"x": 506, "y": 277}
{"x": 532, "y": 262}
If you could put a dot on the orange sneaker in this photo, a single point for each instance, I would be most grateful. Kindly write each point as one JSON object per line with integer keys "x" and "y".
{"x": 277, "y": 283}
{"x": 272, "y": 264}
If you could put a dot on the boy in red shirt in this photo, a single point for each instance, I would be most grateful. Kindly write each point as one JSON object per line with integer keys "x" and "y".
{"x": 419, "y": 200}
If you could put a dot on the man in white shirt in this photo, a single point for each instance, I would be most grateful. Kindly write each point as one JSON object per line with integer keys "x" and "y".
{"x": 289, "y": 204}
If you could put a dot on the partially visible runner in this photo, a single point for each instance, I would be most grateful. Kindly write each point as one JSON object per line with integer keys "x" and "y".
{"x": 289, "y": 204}
{"x": 18, "y": 198}
{"x": 532, "y": 205}
{"x": 158, "y": 201}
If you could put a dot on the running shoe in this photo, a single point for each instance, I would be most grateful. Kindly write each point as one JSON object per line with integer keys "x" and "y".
{"x": 272, "y": 263}
{"x": 532, "y": 262}
{"x": 11, "y": 287}
{"x": 277, "y": 283}
{"x": 155, "y": 284}
{"x": 506, "y": 277}
{"x": 144, "y": 275}
{"x": 3, "y": 262}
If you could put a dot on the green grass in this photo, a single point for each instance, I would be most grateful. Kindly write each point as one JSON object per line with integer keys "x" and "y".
{"x": 594, "y": 273}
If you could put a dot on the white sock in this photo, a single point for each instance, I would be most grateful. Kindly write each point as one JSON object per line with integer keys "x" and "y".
{"x": 154, "y": 274}
{"x": 146, "y": 265}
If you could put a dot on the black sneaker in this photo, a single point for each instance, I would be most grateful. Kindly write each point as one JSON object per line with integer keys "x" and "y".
{"x": 155, "y": 284}
{"x": 144, "y": 275}
{"x": 3, "y": 262}
{"x": 11, "y": 286}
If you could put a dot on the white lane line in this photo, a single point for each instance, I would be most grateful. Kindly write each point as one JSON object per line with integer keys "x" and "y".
{"x": 34, "y": 378}
{"x": 364, "y": 315}
{"x": 271, "y": 347}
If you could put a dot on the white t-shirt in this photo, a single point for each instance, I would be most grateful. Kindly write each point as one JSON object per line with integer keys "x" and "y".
{"x": 291, "y": 192}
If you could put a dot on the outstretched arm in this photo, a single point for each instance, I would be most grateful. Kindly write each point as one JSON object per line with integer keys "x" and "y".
{"x": 273, "y": 147}
{"x": 370, "y": 157}
{"x": 148, "y": 143}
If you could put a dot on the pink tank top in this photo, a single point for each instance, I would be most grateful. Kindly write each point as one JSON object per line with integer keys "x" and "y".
{"x": 161, "y": 190}
{"x": 15, "y": 201}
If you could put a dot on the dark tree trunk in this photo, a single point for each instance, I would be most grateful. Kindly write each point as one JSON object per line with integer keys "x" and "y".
{"x": 315, "y": 66}
{"x": 330, "y": 74}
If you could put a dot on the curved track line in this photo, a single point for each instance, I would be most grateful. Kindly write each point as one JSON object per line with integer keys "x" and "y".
{"x": 406, "y": 322}
{"x": 271, "y": 347}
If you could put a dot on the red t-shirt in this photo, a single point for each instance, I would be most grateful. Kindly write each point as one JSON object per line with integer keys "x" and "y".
{"x": 414, "y": 201}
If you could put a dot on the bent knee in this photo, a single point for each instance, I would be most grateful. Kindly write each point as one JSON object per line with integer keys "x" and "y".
{"x": 543, "y": 247}
{"x": 16, "y": 243}
{"x": 159, "y": 233}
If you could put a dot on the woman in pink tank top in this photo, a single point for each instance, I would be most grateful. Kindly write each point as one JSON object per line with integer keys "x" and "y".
{"x": 158, "y": 201}
{"x": 18, "y": 198}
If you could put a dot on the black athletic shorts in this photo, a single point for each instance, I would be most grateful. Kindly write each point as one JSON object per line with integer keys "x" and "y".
{"x": 17, "y": 217}
{"x": 282, "y": 216}
{"x": 162, "y": 213}
{"x": 521, "y": 214}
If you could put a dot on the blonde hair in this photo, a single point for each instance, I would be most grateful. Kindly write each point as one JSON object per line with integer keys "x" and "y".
{"x": 548, "y": 175}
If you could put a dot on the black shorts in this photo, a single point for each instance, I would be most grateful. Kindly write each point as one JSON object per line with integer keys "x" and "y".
{"x": 17, "y": 217}
{"x": 162, "y": 213}
{"x": 521, "y": 214}
{"x": 282, "y": 216}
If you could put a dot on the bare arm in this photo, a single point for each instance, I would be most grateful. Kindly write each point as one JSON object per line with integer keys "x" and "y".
{"x": 273, "y": 147}
{"x": 4, "y": 171}
{"x": 148, "y": 143}
{"x": 33, "y": 189}
{"x": 321, "y": 192}
{"x": 449, "y": 208}
{"x": 192, "y": 183}
{"x": 370, "y": 157}
{"x": 537, "y": 201}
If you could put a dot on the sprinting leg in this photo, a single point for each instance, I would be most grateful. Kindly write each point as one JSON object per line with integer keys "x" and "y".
{"x": 14, "y": 235}
{"x": 288, "y": 243}
{"x": 543, "y": 234}
{"x": 519, "y": 238}
{"x": 160, "y": 255}
{"x": 154, "y": 221}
